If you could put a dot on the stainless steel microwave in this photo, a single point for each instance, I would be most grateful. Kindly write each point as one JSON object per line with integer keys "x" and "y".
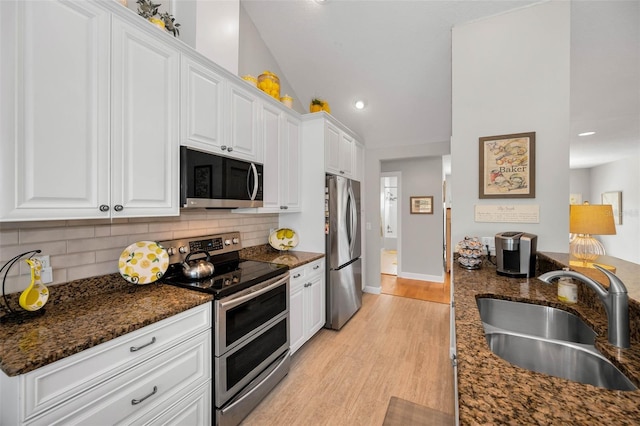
{"x": 213, "y": 181}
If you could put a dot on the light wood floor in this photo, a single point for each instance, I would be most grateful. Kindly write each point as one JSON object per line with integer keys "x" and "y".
{"x": 423, "y": 290}
{"x": 393, "y": 346}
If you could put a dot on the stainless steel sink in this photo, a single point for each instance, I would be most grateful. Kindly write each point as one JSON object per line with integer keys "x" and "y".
{"x": 569, "y": 361}
{"x": 536, "y": 320}
{"x": 549, "y": 341}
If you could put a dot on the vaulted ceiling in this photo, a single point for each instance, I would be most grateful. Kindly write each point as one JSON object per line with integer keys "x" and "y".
{"x": 396, "y": 56}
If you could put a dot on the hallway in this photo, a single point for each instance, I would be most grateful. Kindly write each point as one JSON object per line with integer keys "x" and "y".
{"x": 415, "y": 289}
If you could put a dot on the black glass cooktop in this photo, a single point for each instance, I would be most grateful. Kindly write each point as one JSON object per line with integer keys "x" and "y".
{"x": 229, "y": 277}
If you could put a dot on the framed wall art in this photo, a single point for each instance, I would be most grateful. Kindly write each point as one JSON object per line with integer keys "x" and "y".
{"x": 615, "y": 199}
{"x": 421, "y": 205}
{"x": 507, "y": 166}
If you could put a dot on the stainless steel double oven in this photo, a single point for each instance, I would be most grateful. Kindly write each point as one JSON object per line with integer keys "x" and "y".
{"x": 251, "y": 321}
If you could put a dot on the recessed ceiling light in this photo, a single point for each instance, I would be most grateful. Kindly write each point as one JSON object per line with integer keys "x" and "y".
{"x": 359, "y": 104}
{"x": 586, "y": 133}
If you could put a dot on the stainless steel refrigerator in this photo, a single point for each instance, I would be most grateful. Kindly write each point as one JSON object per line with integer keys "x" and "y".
{"x": 343, "y": 248}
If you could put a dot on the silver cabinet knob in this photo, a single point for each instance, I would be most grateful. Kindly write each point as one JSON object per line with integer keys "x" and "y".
{"x": 118, "y": 207}
{"x": 223, "y": 147}
{"x": 104, "y": 208}
{"x": 230, "y": 149}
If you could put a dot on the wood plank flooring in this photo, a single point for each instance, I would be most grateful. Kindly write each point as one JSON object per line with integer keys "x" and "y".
{"x": 393, "y": 346}
{"x": 423, "y": 290}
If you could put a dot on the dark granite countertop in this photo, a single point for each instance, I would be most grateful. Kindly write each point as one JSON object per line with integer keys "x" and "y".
{"x": 493, "y": 391}
{"x": 85, "y": 313}
{"x": 291, "y": 258}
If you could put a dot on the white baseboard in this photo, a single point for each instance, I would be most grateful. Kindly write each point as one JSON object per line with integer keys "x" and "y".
{"x": 372, "y": 290}
{"x": 421, "y": 277}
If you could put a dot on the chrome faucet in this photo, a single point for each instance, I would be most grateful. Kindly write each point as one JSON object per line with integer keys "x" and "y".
{"x": 615, "y": 300}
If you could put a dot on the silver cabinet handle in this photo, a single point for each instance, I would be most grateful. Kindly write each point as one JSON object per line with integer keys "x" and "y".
{"x": 296, "y": 276}
{"x": 118, "y": 207}
{"x": 104, "y": 208}
{"x": 135, "y": 349}
{"x": 316, "y": 267}
{"x": 138, "y": 401}
{"x": 223, "y": 147}
{"x": 230, "y": 149}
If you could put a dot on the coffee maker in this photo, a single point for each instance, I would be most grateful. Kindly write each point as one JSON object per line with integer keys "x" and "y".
{"x": 516, "y": 254}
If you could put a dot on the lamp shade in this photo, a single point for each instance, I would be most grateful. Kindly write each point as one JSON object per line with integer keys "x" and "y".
{"x": 594, "y": 219}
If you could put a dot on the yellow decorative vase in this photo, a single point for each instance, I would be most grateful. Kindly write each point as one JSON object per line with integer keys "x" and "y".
{"x": 157, "y": 22}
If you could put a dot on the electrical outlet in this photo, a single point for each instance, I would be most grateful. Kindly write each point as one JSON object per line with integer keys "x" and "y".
{"x": 489, "y": 242}
{"x": 44, "y": 260}
{"x": 46, "y": 275}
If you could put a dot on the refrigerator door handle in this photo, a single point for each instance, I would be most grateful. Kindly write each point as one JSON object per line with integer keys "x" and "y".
{"x": 353, "y": 220}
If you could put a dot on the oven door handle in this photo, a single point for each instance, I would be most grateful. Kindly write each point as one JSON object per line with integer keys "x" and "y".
{"x": 233, "y": 301}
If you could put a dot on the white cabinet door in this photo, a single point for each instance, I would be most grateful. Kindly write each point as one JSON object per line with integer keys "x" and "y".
{"x": 346, "y": 155}
{"x": 296, "y": 318}
{"x": 202, "y": 97}
{"x": 290, "y": 197}
{"x": 242, "y": 120}
{"x": 315, "y": 304}
{"x": 273, "y": 157}
{"x": 332, "y": 149}
{"x": 145, "y": 124}
{"x": 54, "y": 128}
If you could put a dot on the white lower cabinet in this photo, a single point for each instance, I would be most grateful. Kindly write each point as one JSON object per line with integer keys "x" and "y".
{"x": 307, "y": 302}
{"x": 160, "y": 374}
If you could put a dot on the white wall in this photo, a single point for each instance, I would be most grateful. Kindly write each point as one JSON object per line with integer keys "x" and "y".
{"x": 421, "y": 235}
{"x": 580, "y": 184}
{"x": 511, "y": 75}
{"x": 624, "y": 176}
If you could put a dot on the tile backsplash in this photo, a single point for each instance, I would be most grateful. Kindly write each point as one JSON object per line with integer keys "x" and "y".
{"x": 87, "y": 248}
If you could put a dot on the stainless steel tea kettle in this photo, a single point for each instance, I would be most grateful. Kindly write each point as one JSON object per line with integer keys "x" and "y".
{"x": 201, "y": 268}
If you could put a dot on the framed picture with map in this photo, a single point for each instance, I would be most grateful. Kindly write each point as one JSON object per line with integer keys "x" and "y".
{"x": 507, "y": 166}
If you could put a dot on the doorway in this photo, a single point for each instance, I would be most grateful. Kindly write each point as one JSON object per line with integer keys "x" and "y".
{"x": 390, "y": 223}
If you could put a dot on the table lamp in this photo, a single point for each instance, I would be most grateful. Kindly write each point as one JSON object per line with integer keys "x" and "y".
{"x": 586, "y": 220}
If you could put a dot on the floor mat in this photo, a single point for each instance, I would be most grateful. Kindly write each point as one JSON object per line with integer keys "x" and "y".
{"x": 401, "y": 412}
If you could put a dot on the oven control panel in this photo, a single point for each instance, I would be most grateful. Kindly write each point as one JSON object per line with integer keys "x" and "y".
{"x": 179, "y": 249}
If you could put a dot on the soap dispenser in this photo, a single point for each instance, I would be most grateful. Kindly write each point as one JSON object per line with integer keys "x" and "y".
{"x": 567, "y": 289}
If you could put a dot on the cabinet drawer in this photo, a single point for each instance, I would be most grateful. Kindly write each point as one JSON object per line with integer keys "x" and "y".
{"x": 315, "y": 268}
{"x": 296, "y": 277}
{"x": 304, "y": 274}
{"x": 49, "y": 386}
{"x": 195, "y": 409}
{"x": 148, "y": 387}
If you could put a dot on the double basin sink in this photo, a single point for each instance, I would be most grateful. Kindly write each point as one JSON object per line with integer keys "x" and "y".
{"x": 548, "y": 340}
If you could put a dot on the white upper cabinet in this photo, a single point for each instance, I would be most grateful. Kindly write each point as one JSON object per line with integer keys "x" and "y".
{"x": 290, "y": 168}
{"x": 280, "y": 135}
{"x": 87, "y": 132}
{"x": 145, "y": 123}
{"x": 54, "y": 117}
{"x": 242, "y": 123}
{"x": 202, "y": 106}
{"x": 340, "y": 152}
{"x": 331, "y": 148}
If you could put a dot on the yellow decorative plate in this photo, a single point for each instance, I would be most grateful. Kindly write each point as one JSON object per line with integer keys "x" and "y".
{"x": 283, "y": 239}
{"x": 143, "y": 262}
